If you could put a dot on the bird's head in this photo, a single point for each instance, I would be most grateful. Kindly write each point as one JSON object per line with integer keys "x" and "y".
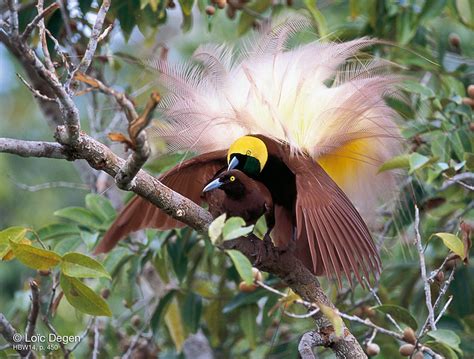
{"x": 248, "y": 154}
{"x": 232, "y": 182}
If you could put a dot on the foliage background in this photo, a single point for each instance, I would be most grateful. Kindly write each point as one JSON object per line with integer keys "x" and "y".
{"x": 197, "y": 287}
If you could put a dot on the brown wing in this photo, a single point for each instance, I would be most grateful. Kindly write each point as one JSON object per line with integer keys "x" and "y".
{"x": 188, "y": 179}
{"x": 332, "y": 238}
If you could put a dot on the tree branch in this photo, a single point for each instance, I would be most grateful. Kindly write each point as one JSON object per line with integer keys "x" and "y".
{"x": 31, "y": 26}
{"x": 75, "y": 145}
{"x": 265, "y": 256}
{"x": 424, "y": 277}
{"x": 13, "y": 337}
{"x": 32, "y": 148}
{"x": 92, "y": 45}
{"x": 34, "y": 311}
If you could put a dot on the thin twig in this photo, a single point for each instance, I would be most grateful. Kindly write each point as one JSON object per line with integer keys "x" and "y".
{"x": 44, "y": 44}
{"x": 426, "y": 283}
{"x": 368, "y": 323}
{"x": 52, "y": 330}
{"x": 35, "y": 92}
{"x": 459, "y": 178}
{"x": 105, "y": 33}
{"x": 302, "y": 316}
{"x": 445, "y": 307}
{"x": 434, "y": 273}
{"x": 94, "y": 38}
{"x": 30, "y": 27}
{"x": 122, "y": 100}
{"x": 95, "y": 350}
{"x": 379, "y": 302}
{"x": 49, "y": 185}
{"x": 34, "y": 311}
{"x": 83, "y": 335}
{"x": 12, "y": 7}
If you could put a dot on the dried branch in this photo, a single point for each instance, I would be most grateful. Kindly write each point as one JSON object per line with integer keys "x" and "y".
{"x": 32, "y": 148}
{"x": 34, "y": 311}
{"x": 141, "y": 150}
{"x": 122, "y": 100}
{"x": 424, "y": 277}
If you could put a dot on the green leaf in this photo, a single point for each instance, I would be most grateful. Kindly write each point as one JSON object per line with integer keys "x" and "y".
{"x": 192, "y": 309}
{"x": 318, "y": 17}
{"x": 469, "y": 158}
{"x": 447, "y": 337}
{"x": 415, "y": 87}
{"x": 417, "y": 161}
{"x": 431, "y": 9}
{"x": 242, "y": 299}
{"x": 234, "y": 228}
{"x": 260, "y": 228}
{"x": 246, "y": 20}
{"x": 15, "y": 234}
{"x": 398, "y": 313}
{"x": 441, "y": 348}
{"x": 79, "y": 215}
{"x": 248, "y": 323}
{"x": 453, "y": 242}
{"x": 57, "y": 231}
{"x": 334, "y": 318}
{"x": 174, "y": 323}
{"x": 242, "y": 264}
{"x": 100, "y": 206}
{"x": 78, "y": 265}
{"x": 216, "y": 227}
{"x": 402, "y": 161}
{"x": 33, "y": 257}
{"x": 160, "y": 310}
{"x": 186, "y": 10}
{"x": 466, "y": 11}
{"x": 83, "y": 298}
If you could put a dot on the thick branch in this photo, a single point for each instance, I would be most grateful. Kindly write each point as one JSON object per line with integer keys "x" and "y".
{"x": 287, "y": 267}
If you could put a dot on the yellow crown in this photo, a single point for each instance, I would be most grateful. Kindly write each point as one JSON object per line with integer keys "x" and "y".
{"x": 249, "y": 146}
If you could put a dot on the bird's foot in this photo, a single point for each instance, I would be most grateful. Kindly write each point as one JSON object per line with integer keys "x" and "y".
{"x": 261, "y": 252}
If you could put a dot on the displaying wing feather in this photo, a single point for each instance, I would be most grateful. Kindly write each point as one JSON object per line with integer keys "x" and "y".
{"x": 188, "y": 179}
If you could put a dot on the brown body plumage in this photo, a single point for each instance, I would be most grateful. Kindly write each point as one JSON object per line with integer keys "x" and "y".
{"x": 331, "y": 237}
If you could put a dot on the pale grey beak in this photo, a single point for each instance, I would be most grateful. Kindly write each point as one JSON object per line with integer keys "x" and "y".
{"x": 212, "y": 185}
{"x": 234, "y": 162}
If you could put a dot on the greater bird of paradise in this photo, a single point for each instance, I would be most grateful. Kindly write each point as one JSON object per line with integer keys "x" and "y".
{"x": 296, "y": 134}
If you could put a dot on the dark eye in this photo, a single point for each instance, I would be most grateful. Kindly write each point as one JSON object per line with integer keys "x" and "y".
{"x": 232, "y": 178}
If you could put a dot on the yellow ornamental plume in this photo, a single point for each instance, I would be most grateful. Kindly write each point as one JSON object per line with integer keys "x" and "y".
{"x": 318, "y": 97}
